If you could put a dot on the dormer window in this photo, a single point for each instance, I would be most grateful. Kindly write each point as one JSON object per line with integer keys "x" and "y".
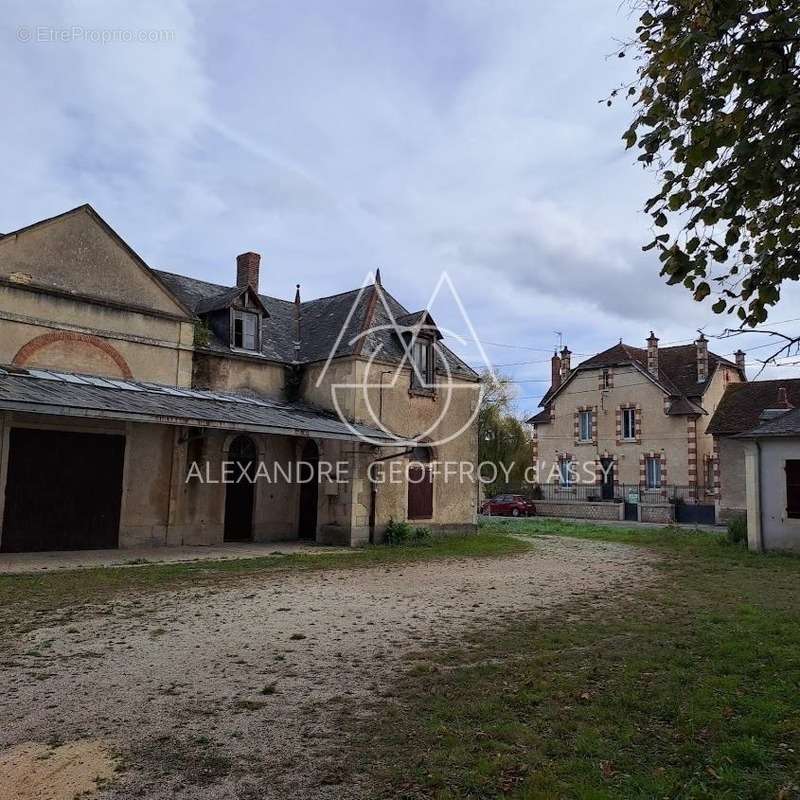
{"x": 244, "y": 330}
{"x": 424, "y": 361}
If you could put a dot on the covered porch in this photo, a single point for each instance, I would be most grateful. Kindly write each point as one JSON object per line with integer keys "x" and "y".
{"x": 96, "y": 463}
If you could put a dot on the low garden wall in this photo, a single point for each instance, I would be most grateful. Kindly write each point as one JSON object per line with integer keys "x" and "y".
{"x": 575, "y": 509}
{"x": 662, "y": 513}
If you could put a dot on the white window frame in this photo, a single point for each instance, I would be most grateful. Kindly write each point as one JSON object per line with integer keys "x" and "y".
{"x": 248, "y": 338}
{"x": 629, "y": 416}
{"x": 652, "y": 472}
{"x": 565, "y": 474}
{"x": 585, "y": 431}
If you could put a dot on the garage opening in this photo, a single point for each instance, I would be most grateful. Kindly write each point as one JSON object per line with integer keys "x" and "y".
{"x": 63, "y": 491}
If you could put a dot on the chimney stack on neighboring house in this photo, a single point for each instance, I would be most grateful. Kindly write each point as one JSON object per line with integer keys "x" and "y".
{"x": 555, "y": 371}
{"x": 783, "y": 399}
{"x": 565, "y": 367}
{"x": 740, "y": 356}
{"x": 652, "y": 354}
{"x": 247, "y": 265}
{"x": 702, "y": 358}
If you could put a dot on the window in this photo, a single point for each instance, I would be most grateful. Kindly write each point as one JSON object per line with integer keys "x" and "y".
{"x": 793, "y": 488}
{"x": 422, "y": 353}
{"x": 565, "y": 474}
{"x": 629, "y": 423}
{"x": 245, "y": 330}
{"x": 605, "y": 380}
{"x": 585, "y": 426}
{"x": 709, "y": 476}
{"x": 653, "y": 472}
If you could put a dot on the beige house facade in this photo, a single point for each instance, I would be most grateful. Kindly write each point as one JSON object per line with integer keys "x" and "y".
{"x": 742, "y": 409}
{"x": 630, "y": 423}
{"x": 126, "y": 393}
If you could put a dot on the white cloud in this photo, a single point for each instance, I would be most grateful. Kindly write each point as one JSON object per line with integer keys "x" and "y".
{"x": 337, "y": 137}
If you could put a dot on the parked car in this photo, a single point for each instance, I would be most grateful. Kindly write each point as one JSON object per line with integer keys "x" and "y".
{"x": 508, "y": 505}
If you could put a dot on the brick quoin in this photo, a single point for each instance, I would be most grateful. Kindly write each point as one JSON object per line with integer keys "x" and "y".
{"x": 27, "y": 351}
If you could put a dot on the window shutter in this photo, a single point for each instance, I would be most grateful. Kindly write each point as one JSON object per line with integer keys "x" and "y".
{"x": 793, "y": 488}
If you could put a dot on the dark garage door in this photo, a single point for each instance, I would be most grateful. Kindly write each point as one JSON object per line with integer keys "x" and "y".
{"x": 63, "y": 491}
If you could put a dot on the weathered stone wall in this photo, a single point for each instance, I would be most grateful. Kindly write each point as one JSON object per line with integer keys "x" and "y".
{"x": 661, "y": 513}
{"x": 572, "y": 509}
{"x": 230, "y": 374}
{"x": 77, "y": 254}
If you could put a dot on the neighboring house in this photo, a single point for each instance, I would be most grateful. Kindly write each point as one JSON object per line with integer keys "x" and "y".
{"x": 191, "y": 372}
{"x": 632, "y": 421}
{"x": 740, "y": 411}
{"x": 772, "y": 475}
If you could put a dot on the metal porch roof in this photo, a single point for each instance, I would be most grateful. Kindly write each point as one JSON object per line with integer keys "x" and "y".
{"x": 43, "y": 391}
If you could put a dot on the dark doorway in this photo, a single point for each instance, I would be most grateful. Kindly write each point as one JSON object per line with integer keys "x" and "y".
{"x": 63, "y": 491}
{"x": 309, "y": 491}
{"x": 240, "y": 493}
{"x": 607, "y": 487}
{"x": 420, "y": 484}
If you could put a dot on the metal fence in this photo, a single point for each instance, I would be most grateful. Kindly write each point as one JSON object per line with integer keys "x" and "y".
{"x": 595, "y": 493}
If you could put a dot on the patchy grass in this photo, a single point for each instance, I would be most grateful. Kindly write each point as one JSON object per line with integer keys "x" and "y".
{"x": 62, "y": 590}
{"x": 684, "y": 689}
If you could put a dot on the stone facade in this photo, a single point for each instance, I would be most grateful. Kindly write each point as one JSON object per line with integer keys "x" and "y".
{"x": 645, "y": 403}
{"x": 75, "y": 298}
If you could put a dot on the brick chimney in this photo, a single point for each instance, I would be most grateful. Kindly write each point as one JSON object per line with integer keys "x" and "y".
{"x": 565, "y": 367}
{"x": 740, "y": 356}
{"x": 783, "y": 399}
{"x": 702, "y": 358}
{"x": 247, "y": 265}
{"x": 652, "y": 354}
{"x": 555, "y": 371}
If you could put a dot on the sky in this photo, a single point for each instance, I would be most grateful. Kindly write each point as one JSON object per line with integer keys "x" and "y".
{"x": 423, "y": 138}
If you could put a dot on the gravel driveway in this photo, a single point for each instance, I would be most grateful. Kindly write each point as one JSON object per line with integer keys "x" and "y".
{"x": 241, "y": 692}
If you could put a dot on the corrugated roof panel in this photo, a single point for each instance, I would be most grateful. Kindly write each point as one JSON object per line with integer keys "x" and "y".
{"x": 67, "y": 394}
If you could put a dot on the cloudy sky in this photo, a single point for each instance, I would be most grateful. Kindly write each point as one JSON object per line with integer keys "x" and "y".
{"x": 337, "y": 137}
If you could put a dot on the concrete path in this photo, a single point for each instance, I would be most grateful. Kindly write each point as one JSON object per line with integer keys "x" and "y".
{"x": 18, "y": 563}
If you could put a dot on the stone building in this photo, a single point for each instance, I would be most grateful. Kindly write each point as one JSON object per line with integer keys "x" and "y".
{"x": 126, "y": 393}
{"x": 630, "y": 423}
{"x": 743, "y": 408}
{"x": 772, "y": 479}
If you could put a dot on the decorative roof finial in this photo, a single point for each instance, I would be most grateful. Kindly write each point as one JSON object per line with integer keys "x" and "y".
{"x": 378, "y": 277}
{"x": 297, "y": 295}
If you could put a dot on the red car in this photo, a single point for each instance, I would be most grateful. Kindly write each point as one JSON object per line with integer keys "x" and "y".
{"x": 508, "y": 505}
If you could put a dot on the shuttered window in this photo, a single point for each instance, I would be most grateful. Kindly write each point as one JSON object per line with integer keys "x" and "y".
{"x": 793, "y": 488}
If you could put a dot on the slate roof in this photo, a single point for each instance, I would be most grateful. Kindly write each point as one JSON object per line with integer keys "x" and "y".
{"x": 743, "y": 403}
{"x": 67, "y": 394}
{"x": 677, "y": 373}
{"x": 785, "y": 424}
{"x": 341, "y": 317}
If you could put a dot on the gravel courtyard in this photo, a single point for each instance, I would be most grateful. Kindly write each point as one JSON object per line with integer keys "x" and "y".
{"x": 248, "y": 690}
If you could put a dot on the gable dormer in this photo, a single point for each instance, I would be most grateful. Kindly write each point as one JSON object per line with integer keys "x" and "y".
{"x": 235, "y": 316}
{"x": 420, "y": 332}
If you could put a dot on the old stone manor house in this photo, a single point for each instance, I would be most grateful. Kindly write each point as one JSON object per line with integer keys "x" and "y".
{"x": 115, "y": 378}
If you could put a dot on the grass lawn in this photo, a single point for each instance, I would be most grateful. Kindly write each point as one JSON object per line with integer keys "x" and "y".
{"x": 54, "y": 592}
{"x": 689, "y": 688}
